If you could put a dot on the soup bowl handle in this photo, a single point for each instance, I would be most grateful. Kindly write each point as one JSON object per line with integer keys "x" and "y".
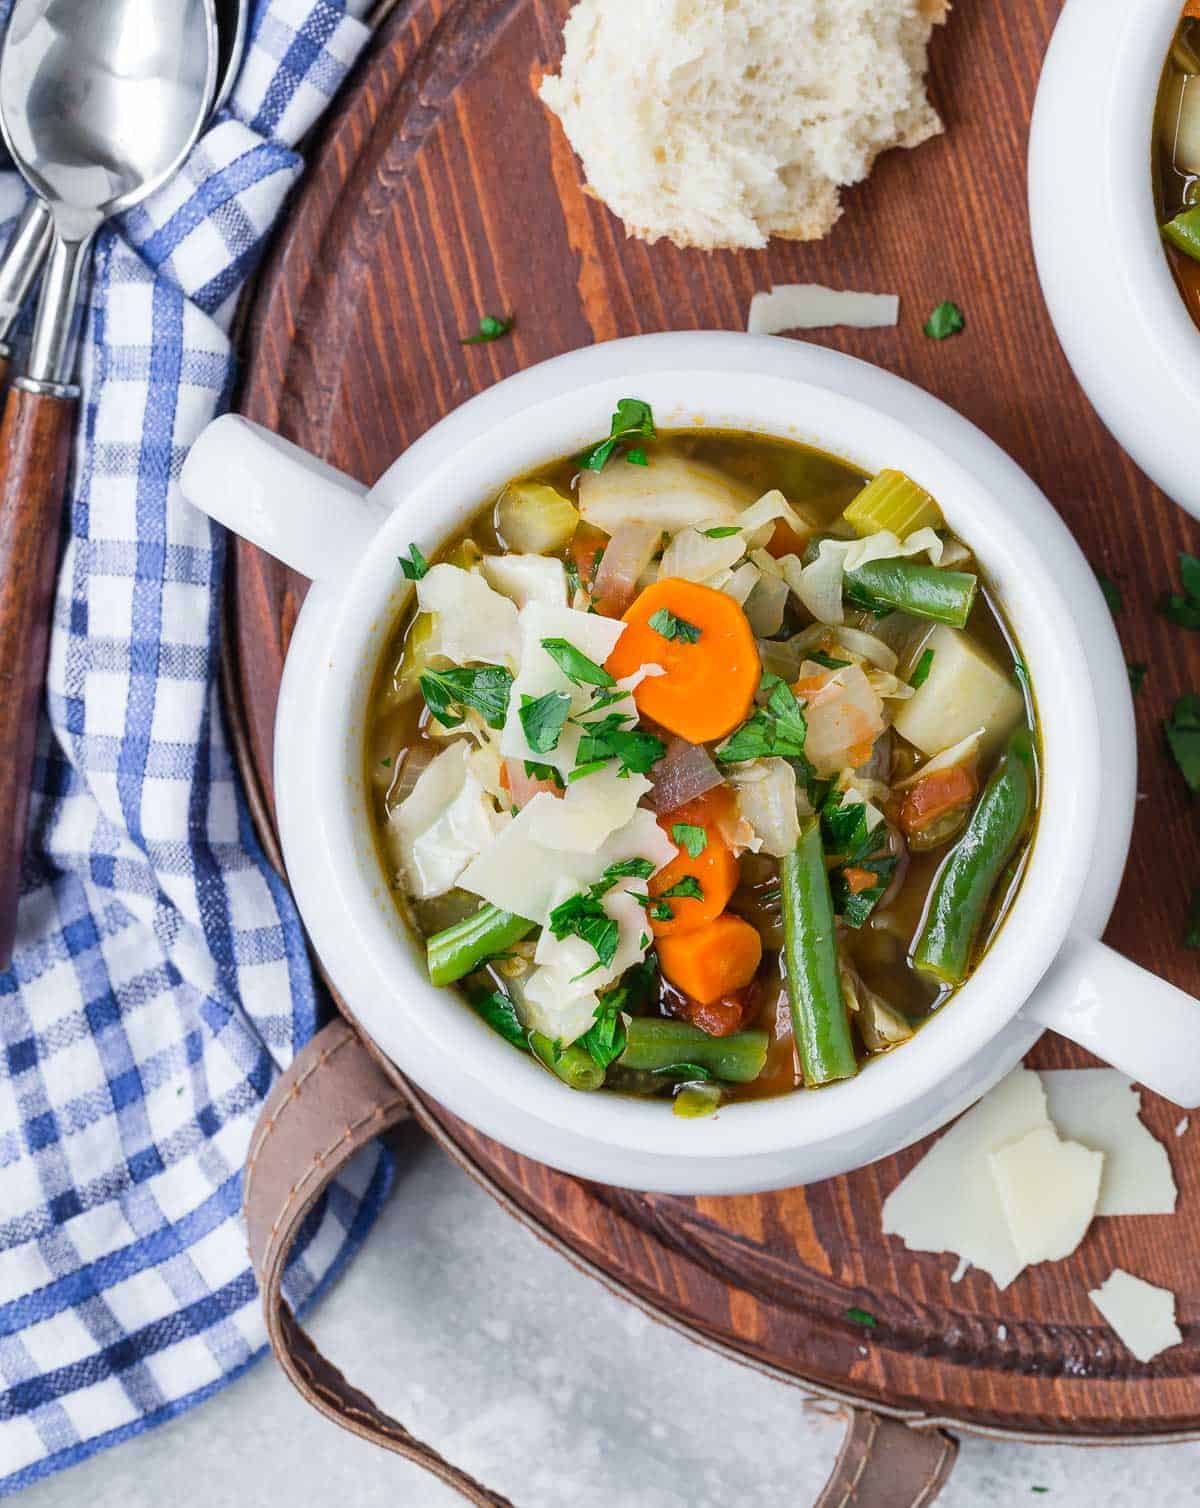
{"x": 303, "y": 511}
{"x": 1124, "y": 1014}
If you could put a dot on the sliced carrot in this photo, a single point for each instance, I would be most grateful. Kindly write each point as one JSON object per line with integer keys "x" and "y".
{"x": 939, "y": 793}
{"x": 709, "y": 682}
{"x": 717, "y": 959}
{"x": 715, "y": 869}
{"x": 1192, "y": 8}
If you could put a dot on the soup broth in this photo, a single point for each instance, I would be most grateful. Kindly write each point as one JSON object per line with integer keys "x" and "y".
{"x": 1177, "y": 158}
{"x": 784, "y": 846}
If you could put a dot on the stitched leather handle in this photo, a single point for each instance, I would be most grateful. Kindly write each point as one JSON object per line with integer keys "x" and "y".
{"x": 330, "y": 1103}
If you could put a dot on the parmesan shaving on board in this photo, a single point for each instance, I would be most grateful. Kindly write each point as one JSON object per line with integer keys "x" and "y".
{"x": 810, "y": 306}
{"x": 1142, "y": 1315}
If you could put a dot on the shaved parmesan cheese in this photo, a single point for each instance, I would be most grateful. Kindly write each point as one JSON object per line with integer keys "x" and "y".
{"x": 1141, "y": 1314}
{"x": 1099, "y": 1107}
{"x": 539, "y": 674}
{"x": 1048, "y": 1188}
{"x": 474, "y": 622}
{"x": 527, "y": 578}
{"x": 1182, "y": 1128}
{"x": 590, "y": 811}
{"x": 949, "y": 1201}
{"x": 810, "y": 306}
{"x": 445, "y": 821}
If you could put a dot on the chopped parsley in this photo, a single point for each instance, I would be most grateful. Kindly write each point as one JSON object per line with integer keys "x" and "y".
{"x": 1137, "y": 674}
{"x": 670, "y": 627}
{"x": 1183, "y": 609}
{"x": 386, "y": 763}
{"x": 1021, "y": 674}
{"x": 633, "y": 420}
{"x": 581, "y": 915}
{"x": 1183, "y": 739}
{"x": 636, "y": 457}
{"x": 685, "y": 1073}
{"x": 946, "y": 320}
{"x": 855, "y": 845}
{"x": 777, "y": 729}
{"x": 414, "y": 565}
{"x": 604, "y": 1040}
{"x": 921, "y": 674}
{"x": 819, "y": 657}
{"x": 859, "y": 1316}
{"x": 1111, "y": 591}
{"x": 691, "y": 837}
{"x": 575, "y": 665}
{"x": 537, "y": 771}
{"x": 501, "y": 1015}
{"x": 485, "y": 690}
{"x": 490, "y": 328}
{"x": 687, "y": 889}
{"x": 542, "y": 719}
{"x": 721, "y": 531}
{"x": 608, "y": 738}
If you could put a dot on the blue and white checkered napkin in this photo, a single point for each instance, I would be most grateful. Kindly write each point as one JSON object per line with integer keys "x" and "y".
{"x": 160, "y": 980}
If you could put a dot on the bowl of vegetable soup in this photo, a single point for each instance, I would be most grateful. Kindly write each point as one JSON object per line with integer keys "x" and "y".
{"x": 1114, "y": 192}
{"x": 689, "y": 769}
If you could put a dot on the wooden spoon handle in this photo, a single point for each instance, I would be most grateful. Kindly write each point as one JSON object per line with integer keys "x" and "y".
{"x": 35, "y": 450}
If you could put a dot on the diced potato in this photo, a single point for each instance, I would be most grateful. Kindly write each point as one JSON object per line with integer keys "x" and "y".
{"x": 671, "y": 492}
{"x": 965, "y": 690}
{"x": 533, "y": 518}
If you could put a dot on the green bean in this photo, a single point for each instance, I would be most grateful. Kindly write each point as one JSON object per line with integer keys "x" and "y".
{"x": 574, "y": 1065}
{"x": 925, "y": 591}
{"x": 462, "y": 948}
{"x": 1183, "y": 232}
{"x": 820, "y": 1020}
{"x": 653, "y": 1044}
{"x": 966, "y": 881}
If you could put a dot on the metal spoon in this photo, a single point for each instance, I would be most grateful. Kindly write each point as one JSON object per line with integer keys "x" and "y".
{"x": 99, "y": 104}
{"x": 29, "y": 245}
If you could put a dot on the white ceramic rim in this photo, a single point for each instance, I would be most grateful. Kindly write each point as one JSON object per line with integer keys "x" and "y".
{"x": 441, "y": 495}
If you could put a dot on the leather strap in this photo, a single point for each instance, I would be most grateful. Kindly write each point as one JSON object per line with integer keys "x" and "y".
{"x": 885, "y": 1463}
{"x": 332, "y": 1101}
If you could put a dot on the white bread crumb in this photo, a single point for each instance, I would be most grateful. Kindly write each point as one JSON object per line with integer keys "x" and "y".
{"x": 719, "y": 123}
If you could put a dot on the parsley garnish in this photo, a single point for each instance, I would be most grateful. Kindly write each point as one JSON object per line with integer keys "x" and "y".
{"x": 921, "y": 674}
{"x": 537, "y": 771}
{"x": 686, "y": 1073}
{"x": 1021, "y": 674}
{"x": 608, "y": 738}
{"x": 776, "y": 729}
{"x": 688, "y": 836}
{"x": 671, "y": 627}
{"x": 947, "y": 319}
{"x": 632, "y": 420}
{"x": 575, "y": 665}
{"x": 625, "y": 869}
{"x": 861, "y": 1317}
{"x": 722, "y": 531}
{"x": 1137, "y": 674}
{"x": 386, "y": 763}
{"x": 1183, "y": 739}
{"x": 490, "y": 328}
{"x": 1112, "y": 592}
{"x": 604, "y": 1040}
{"x": 542, "y": 719}
{"x": 1184, "y": 610}
{"x": 581, "y": 771}
{"x": 637, "y": 457}
{"x": 819, "y": 657}
{"x": 849, "y": 839}
{"x": 486, "y": 690}
{"x": 687, "y": 889}
{"x": 501, "y": 1015}
{"x": 414, "y": 565}
{"x": 581, "y": 915}
{"x": 572, "y": 570}
{"x": 1191, "y": 938}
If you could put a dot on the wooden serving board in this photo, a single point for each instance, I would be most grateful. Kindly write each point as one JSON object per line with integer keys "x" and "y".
{"x": 441, "y": 191}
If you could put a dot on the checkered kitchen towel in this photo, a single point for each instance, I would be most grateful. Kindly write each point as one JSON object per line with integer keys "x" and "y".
{"x": 160, "y": 980}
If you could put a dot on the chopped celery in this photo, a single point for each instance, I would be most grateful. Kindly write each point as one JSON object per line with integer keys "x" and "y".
{"x": 420, "y": 647}
{"x": 533, "y": 518}
{"x": 464, "y": 555}
{"x": 1183, "y": 232}
{"x": 893, "y": 501}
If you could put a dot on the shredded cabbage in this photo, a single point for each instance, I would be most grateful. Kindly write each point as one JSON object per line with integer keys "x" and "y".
{"x": 767, "y": 799}
{"x": 694, "y": 557}
{"x": 527, "y": 578}
{"x": 444, "y": 823}
{"x": 475, "y": 624}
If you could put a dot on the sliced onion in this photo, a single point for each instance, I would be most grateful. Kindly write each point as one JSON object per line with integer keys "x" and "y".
{"x": 626, "y": 556}
{"x": 410, "y": 769}
{"x": 686, "y": 772}
{"x": 765, "y": 605}
{"x": 692, "y": 556}
{"x": 741, "y": 583}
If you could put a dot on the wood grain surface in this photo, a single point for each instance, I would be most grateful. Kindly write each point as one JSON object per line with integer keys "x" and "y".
{"x": 35, "y": 446}
{"x": 442, "y": 190}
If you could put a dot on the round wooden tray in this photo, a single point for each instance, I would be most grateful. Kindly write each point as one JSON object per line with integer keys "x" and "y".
{"x": 442, "y": 190}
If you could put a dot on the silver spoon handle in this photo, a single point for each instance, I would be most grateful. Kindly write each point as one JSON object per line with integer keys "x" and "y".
{"x": 22, "y": 261}
{"x": 52, "y": 350}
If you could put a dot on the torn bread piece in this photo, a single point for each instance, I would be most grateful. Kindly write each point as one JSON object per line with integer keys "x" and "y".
{"x": 1048, "y": 1189}
{"x": 1099, "y": 1107}
{"x": 950, "y": 1202}
{"x": 1141, "y": 1314}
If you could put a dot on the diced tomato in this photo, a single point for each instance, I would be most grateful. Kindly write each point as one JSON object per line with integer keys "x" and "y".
{"x": 858, "y": 880}
{"x": 938, "y": 793}
{"x": 719, "y": 1018}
